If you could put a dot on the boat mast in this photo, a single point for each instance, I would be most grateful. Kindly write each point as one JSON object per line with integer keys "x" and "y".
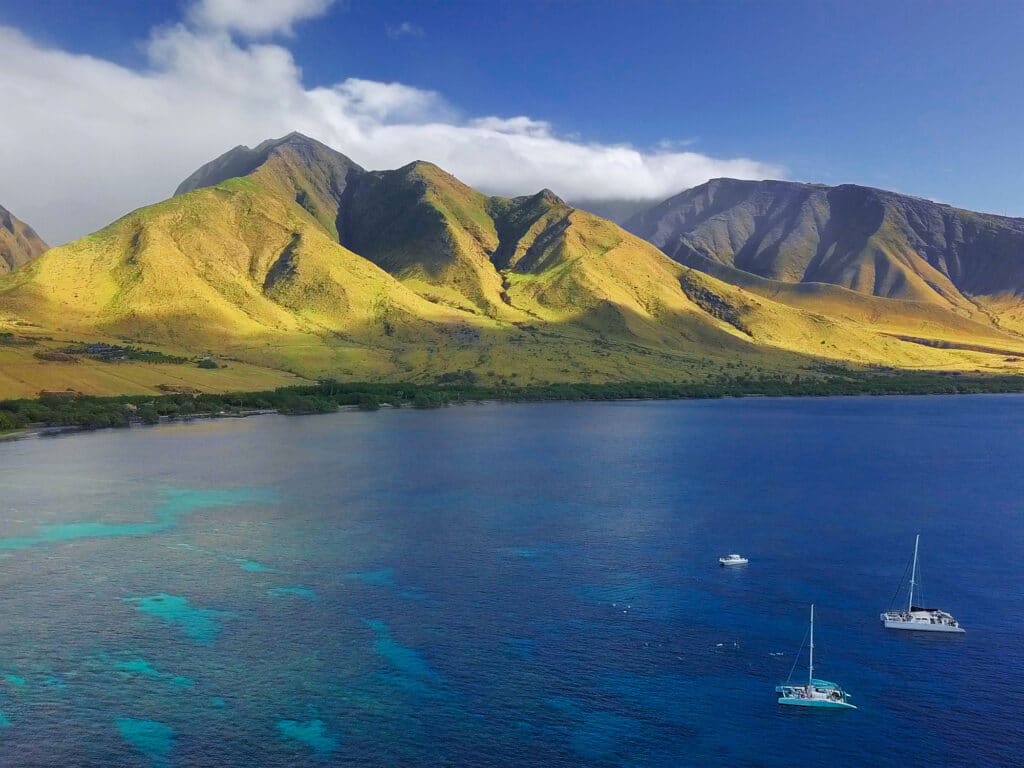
{"x": 913, "y": 574}
{"x": 810, "y": 664}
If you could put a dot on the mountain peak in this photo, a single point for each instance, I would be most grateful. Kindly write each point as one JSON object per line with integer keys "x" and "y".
{"x": 296, "y": 167}
{"x": 294, "y": 140}
{"x": 547, "y": 196}
{"x": 423, "y": 169}
{"x": 244, "y": 161}
{"x": 296, "y": 136}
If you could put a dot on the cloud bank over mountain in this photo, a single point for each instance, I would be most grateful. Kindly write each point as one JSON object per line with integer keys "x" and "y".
{"x": 85, "y": 140}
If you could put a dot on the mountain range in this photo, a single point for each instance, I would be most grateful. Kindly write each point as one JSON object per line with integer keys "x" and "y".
{"x": 871, "y": 241}
{"x": 290, "y": 261}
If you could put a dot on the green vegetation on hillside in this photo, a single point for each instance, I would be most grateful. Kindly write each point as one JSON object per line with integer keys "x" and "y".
{"x": 117, "y": 353}
{"x": 309, "y": 267}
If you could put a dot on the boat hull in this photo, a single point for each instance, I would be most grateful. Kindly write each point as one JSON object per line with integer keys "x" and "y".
{"x": 733, "y": 561}
{"x": 920, "y": 626}
{"x": 815, "y": 703}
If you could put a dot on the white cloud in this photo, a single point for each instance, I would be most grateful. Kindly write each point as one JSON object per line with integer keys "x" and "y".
{"x": 84, "y": 140}
{"x": 255, "y": 18}
{"x": 512, "y": 125}
{"x": 380, "y": 103}
{"x": 405, "y": 29}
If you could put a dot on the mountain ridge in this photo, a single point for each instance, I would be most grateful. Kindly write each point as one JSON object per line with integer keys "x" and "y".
{"x": 309, "y": 265}
{"x": 310, "y": 172}
{"x": 870, "y": 240}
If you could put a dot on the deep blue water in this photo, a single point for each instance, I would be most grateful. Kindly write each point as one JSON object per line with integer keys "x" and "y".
{"x": 514, "y": 586}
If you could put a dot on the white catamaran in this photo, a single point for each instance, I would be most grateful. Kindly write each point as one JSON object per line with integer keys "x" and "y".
{"x": 917, "y": 618}
{"x": 816, "y": 693}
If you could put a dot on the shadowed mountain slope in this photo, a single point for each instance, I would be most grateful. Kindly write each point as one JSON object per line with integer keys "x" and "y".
{"x": 428, "y": 229}
{"x": 19, "y": 243}
{"x": 449, "y": 241}
{"x": 868, "y": 240}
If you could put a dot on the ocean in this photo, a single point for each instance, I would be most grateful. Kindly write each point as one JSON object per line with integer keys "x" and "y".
{"x": 515, "y": 585}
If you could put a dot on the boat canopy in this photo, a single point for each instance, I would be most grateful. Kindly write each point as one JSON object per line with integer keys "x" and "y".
{"x": 823, "y": 684}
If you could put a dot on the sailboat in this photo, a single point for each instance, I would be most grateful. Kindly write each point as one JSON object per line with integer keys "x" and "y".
{"x": 816, "y": 693}
{"x": 917, "y": 618}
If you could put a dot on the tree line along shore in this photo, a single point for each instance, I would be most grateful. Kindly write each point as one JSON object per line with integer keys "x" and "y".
{"x": 71, "y": 410}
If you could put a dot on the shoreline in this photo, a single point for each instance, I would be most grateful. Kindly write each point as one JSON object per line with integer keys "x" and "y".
{"x": 31, "y": 433}
{"x": 127, "y": 411}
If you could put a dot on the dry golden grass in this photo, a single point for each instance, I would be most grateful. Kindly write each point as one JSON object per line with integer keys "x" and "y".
{"x": 24, "y": 375}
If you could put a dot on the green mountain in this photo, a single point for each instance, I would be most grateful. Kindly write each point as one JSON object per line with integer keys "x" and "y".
{"x": 19, "y": 243}
{"x": 428, "y": 229}
{"x": 291, "y": 260}
{"x": 294, "y": 166}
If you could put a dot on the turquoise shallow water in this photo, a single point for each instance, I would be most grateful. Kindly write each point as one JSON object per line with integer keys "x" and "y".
{"x": 514, "y": 586}
{"x": 199, "y": 624}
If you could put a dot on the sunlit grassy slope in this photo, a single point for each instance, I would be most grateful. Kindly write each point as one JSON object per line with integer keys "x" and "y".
{"x": 22, "y": 374}
{"x": 293, "y": 167}
{"x": 431, "y": 277}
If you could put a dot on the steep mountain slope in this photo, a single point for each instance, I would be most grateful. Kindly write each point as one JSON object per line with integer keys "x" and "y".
{"x": 868, "y": 240}
{"x": 428, "y": 229}
{"x": 232, "y": 268}
{"x": 19, "y": 243}
{"x": 569, "y": 270}
{"x": 294, "y": 166}
{"x": 309, "y": 265}
{"x": 514, "y": 259}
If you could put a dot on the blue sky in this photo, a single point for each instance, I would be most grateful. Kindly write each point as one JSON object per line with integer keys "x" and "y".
{"x": 924, "y": 98}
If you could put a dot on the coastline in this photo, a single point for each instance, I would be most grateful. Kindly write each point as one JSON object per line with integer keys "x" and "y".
{"x": 57, "y": 416}
{"x": 32, "y": 433}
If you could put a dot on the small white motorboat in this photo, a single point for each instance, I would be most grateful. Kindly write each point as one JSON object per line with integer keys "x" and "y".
{"x": 733, "y": 559}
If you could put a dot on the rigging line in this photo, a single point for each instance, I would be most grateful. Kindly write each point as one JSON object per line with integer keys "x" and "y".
{"x": 917, "y": 585}
{"x": 798, "y": 655}
{"x": 903, "y": 580}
